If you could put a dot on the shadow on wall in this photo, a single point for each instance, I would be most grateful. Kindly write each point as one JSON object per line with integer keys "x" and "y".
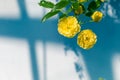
{"x": 98, "y": 59}
{"x": 32, "y": 30}
{"x": 116, "y": 5}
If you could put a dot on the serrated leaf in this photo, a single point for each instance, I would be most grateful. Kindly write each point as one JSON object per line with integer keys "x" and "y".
{"x": 61, "y": 4}
{"x": 49, "y": 15}
{"x": 46, "y": 4}
{"x": 93, "y": 5}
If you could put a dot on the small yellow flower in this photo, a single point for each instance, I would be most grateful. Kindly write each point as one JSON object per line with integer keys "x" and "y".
{"x": 68, "y": 26}
{"x": 79, "y": 10}
{"x": 86, "y": 39}
{"x": 97, "y": 16}
{"x": 102, "y": 0}
{"x": 81, "y": 1}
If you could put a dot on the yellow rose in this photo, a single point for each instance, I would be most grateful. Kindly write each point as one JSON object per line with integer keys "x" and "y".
{"x": 68, "y": 26}
{"x": 79, "y": 10}
{"x": 82, "y": 1}
{"x": 86, "y": 39}
{"x": 97, "y": 16}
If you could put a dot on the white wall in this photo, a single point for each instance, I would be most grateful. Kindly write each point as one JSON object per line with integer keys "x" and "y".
{"x": 15, "y": 54}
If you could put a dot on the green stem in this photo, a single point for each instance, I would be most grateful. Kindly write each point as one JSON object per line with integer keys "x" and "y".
{"x": 81, "y": 23}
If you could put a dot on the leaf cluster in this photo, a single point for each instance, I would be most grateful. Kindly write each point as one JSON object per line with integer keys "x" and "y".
{"x": 88, "y": 6}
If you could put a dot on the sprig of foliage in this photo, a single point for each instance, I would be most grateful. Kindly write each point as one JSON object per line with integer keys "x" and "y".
{"x": 68, "y": 25}
{"x": 73, "y": 6}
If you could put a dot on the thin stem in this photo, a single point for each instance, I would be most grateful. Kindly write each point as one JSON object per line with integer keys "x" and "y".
{"x": 81, "y": 23}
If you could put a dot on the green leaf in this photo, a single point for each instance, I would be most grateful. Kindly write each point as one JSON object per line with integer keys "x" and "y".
{"x": 98, "y": 0}
{"x": 89, "y": 13}
{"x": 101, "y": 1}
{"x": 63, "y": 15}
{"x": 46, "y": 4}
{"x": 84, "y": 10}
{"x": 94, "y": 5}
{"x": 68, "y": 10}
{"x": 49, "y": 15}
{"x": 75, "y": 5}
{"x": 61, "y": 4}
{"x": 72, "y": 1}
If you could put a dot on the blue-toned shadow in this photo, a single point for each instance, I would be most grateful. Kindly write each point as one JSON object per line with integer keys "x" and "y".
{"x": 97, "y": 59}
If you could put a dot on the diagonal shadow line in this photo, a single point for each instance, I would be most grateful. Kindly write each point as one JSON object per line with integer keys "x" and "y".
{"x": 16, "y": 28}
{"x": 31, "y": 42}
{"x": 34, "y": 65}
{"x": 22, "y": 7}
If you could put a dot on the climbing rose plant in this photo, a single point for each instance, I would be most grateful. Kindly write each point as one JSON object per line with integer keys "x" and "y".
{"x": 69, "y": 24}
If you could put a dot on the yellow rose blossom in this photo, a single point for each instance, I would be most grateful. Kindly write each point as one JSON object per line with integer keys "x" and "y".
{"x": 79, "y": 10}
{"x": 97, "y": 16}
{"x": 68, "y": 26}
{"x": 86, "y": 39}
{"x": 82, "y": 1}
